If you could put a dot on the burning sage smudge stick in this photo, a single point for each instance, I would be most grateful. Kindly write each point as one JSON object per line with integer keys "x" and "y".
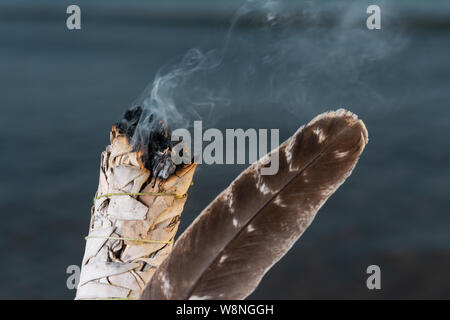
{"x": 136, "y": 211}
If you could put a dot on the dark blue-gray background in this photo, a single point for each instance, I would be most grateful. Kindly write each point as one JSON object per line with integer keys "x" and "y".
{"x": 61, "y": 90}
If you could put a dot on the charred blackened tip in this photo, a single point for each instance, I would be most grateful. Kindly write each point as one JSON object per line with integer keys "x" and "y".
{"x": 151, "y": 138}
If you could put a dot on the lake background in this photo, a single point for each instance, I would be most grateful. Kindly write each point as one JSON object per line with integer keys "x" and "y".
{"x": 61, "y": 90}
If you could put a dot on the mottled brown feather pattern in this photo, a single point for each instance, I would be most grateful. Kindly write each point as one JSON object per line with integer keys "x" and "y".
{"x": 255, "y": 221}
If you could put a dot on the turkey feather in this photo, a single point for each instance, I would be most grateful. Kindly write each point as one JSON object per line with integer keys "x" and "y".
{"x": 249, "y": 226}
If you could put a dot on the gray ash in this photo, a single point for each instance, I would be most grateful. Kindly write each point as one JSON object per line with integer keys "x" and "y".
{"x": 151, "y": 136}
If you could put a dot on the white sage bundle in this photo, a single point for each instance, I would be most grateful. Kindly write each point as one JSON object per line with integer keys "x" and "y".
{"x": 134, "y": 220}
